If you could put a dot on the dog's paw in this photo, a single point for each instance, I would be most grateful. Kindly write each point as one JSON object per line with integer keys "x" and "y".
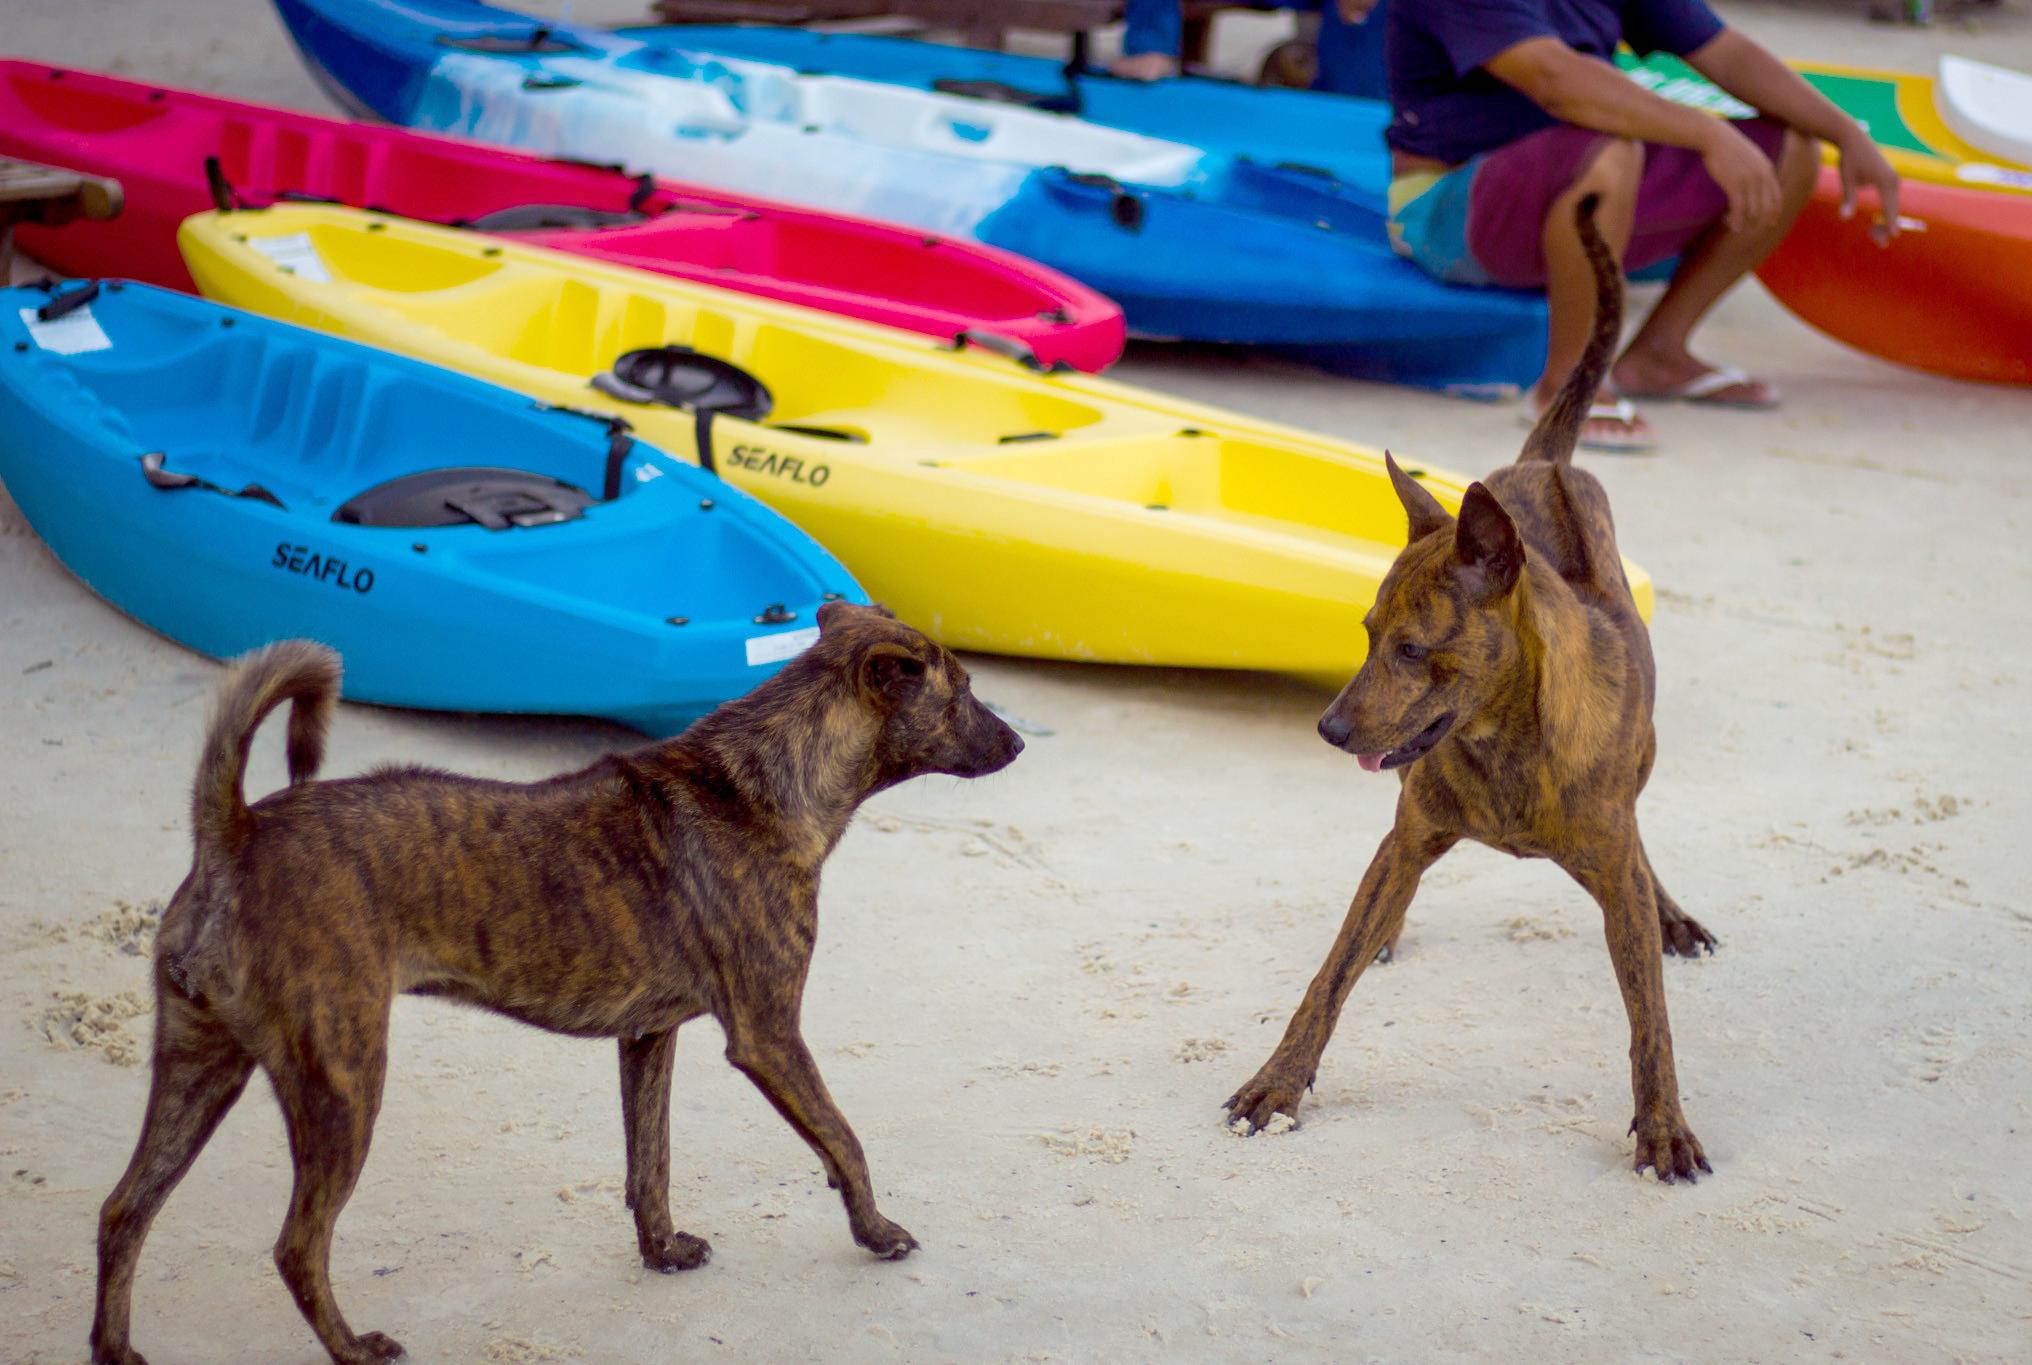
{"x": 1669, "y": 1147}
{"x": 1686, "y": 937}
{"x": 373, "y": 1346}
{"x": 886, "y": 1239}
{"x": 1270, "y": 1092}
{"x": 675, "y": 1252}
{"x": 117, "y": 1355}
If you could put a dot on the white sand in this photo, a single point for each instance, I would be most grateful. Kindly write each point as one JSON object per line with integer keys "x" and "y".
{"x": 1035, "y": 990}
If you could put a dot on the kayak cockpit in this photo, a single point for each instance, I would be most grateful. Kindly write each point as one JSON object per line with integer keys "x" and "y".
{"x": 324, "y": 429}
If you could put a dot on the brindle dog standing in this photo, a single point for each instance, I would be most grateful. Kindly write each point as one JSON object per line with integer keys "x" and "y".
{"x": 619, "y": 901}
{"x": 1509, "y": 682}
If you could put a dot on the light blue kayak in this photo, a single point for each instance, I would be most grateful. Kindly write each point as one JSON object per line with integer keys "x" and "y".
{"x": 1194, "y": 242}
{"x": 229, "y": 481}
{"x": 1337, "y": 135}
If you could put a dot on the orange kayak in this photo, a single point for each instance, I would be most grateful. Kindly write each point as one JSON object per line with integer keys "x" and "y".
{"x": 1952, "y": 294}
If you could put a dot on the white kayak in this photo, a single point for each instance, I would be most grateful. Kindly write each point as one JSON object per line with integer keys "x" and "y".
{"x": 1987, "y": 106}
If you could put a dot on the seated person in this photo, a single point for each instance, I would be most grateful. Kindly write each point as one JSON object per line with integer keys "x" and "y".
{"x": 1348, "y": 52}
{"x": 1508, "y": 112}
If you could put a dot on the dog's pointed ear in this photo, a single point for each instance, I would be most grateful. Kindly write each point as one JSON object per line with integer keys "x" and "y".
{"x": 1486, "y": 542}
{"x": 838, "y": 612}
{"x": 890, "y": 670}
{"x": 1423, "y": 510}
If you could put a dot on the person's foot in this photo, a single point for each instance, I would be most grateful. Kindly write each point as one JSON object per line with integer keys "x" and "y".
{"x": 1613, "y": 424}
{"x": 1683, "y": 379}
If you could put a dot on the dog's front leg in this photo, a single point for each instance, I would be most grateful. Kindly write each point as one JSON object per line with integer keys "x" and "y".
{"x": 1614, "y": 871}
{"x": 645, "y": 1113}
{"x": 1373, "y": 920}
{"x": 767, "y": 1046}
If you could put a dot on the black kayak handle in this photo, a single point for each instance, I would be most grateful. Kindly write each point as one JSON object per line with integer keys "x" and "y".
{"x": 1008, "y": 347}
{"x": 223, "y": 198}
{"x": 1125, "y": 208}
{"x": 63, "y": 304}
{"x": 169, "y": 481}
{"x": 614, "y": 386}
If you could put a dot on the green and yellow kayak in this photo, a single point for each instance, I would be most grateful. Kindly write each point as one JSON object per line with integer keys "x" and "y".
{"x": 1901, "y": 112}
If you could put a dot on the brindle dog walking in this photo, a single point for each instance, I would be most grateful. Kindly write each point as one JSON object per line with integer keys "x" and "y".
{"x": 1509, "y": 683}
{"x": 619, "y": 901}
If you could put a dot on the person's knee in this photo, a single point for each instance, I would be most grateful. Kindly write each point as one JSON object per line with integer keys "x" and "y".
{"x": 1798, "y": 160}
{"x": 1614, "y": 173}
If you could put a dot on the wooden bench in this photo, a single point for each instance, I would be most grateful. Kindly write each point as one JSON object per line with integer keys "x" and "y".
{"x": 33, "y": 193}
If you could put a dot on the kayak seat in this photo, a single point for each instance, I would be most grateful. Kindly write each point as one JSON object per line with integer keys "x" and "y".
{"x": 691, "y": 381}
{"x": 680, "y": 377}
{"x": 551, "y": 218}
{"x": 497, "y": 499}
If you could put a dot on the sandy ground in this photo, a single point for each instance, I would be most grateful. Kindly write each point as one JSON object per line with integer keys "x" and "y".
{"x": 1034, "y": 991}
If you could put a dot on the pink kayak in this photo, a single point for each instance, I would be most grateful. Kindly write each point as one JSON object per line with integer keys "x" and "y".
{"x": 157, "y": 141}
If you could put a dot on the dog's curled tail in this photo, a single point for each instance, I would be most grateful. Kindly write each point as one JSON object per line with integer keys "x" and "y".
{"x": 301, "y": 672}
{"x": 1558, "y": 430}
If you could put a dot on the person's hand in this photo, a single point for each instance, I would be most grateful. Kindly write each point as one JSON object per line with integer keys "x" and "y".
{"x": 1355, "y": 11}
{"x": 1863, "y": 166}
{"x": 1144, "y": 66}
{"x": 1746, "y": 177}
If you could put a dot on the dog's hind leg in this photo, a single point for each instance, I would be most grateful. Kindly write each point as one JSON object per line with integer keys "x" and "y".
{"x": 1614, "y": 872}
{"x": 767, "y": 1047}
{"x": 199, "y": 1072}
{"x": 645, "y": 1112}
{"x": 1678, "y": 931}
{"x": 328, "y": 1079}
{"x": 1374, "y": 920}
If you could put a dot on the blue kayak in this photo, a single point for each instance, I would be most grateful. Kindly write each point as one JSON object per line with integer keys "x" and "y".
{"x": 1193, "y": 242}
{"x": 229, "y": 480}
{"x": 1335, "y": 134}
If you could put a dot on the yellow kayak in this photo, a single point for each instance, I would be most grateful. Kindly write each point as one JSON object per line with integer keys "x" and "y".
{"x": 998, "y": 507}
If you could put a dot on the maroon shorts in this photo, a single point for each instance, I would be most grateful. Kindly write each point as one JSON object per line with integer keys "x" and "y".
{"x": 1514, "y": 186}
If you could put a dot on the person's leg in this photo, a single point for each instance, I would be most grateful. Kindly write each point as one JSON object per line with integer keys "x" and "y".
{"x": 1614, "y": 175}
{"x": 1657, "y": 360}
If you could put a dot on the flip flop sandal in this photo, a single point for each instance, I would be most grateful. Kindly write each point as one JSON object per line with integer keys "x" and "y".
{"x": 1621, "y": 410}
{"x": 1707, "y": 388}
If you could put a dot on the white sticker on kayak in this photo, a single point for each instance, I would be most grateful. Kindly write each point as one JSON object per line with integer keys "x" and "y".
{"x": 295, "y": 254}
{"x": 1982, "y": 173}
{"x": 72, "y": 334}
{"x": 774, "y": 649}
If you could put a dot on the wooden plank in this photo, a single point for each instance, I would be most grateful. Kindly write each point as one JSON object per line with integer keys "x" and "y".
{"x": 764, "y": 11}
{"x": 984, "y": 23}
{"x": 31, "y": 186}
{"x": 34, "y": 193}
{"x": 986, "y": 20}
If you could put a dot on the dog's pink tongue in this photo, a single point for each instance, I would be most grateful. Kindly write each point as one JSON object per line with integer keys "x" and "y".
{"x": 1371, "y": 763}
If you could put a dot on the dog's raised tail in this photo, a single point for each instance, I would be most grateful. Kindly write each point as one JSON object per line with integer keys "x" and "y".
{"x": 301, "y": 672}
{"x": 1558, "y": 429}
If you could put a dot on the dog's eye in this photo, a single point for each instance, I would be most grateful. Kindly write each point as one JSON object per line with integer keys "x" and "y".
{"x": 1411, "y": 653}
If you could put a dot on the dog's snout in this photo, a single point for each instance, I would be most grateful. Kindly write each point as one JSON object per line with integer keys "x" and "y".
{"x": 1335, "y": 729}
{"x": 1009, "y": 743}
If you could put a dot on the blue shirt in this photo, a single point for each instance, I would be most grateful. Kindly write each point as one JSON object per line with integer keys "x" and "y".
{"x": 1153, "y": 26}
{"x": 1450, "y": 109}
